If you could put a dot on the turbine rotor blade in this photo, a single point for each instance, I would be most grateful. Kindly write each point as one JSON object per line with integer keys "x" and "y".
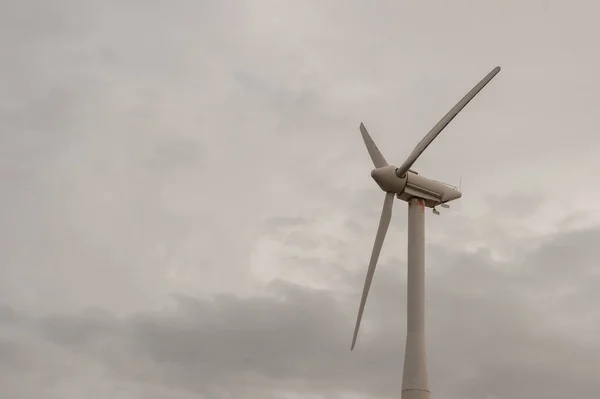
{"x": 384, "y": 222}
{"x": 376, "y": 156}
{"x": 429, "y": 137}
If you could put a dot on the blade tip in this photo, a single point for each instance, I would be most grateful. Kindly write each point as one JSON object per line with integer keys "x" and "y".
{"x": 354, "y": 340}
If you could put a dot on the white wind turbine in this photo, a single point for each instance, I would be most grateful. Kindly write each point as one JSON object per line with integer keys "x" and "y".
{"x": 419, "y": 192}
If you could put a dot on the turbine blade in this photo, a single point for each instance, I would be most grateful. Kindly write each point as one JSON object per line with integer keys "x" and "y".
{"x": 376, "y": 156}
{"x": 384, "y": 222}
{"x": 429, "y": 137}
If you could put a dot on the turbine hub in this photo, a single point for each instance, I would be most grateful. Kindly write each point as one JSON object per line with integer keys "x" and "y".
{"x": 386, "y": 179}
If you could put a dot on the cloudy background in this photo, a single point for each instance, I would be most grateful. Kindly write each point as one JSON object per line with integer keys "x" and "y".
{"x": 186, "y": 209}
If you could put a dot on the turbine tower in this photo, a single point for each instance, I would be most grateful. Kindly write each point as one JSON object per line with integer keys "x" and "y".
{"x": 419, "y": 192}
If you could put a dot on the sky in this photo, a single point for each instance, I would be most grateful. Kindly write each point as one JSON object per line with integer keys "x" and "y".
{"x": 187, "y": 211}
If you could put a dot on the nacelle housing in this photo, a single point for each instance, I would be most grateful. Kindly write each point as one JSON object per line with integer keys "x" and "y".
{"x": 432, "y": 192}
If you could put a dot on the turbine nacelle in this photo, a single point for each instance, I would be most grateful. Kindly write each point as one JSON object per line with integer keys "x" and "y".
{"x": 411, "y": 185}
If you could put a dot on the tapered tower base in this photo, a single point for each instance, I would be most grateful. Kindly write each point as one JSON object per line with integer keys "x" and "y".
{"x": 415, "y": 384}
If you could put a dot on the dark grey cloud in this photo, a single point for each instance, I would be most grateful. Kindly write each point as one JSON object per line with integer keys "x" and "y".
{"x": 493, "y": 332}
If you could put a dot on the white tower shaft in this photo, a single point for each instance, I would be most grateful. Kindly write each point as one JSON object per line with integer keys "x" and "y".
{"x": 415, "y": 384}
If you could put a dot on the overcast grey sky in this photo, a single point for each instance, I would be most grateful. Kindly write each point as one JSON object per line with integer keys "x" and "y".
{"x": 186, "y": 208}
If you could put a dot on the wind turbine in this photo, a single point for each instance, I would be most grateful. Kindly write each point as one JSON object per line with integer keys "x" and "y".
{"x": 419, "y": 192}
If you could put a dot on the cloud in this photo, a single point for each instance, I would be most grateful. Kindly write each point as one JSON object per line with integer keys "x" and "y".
{"x": 202, "y": 150}
{"x": 142, "y": 142}
{"x": 493, "y": 332}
